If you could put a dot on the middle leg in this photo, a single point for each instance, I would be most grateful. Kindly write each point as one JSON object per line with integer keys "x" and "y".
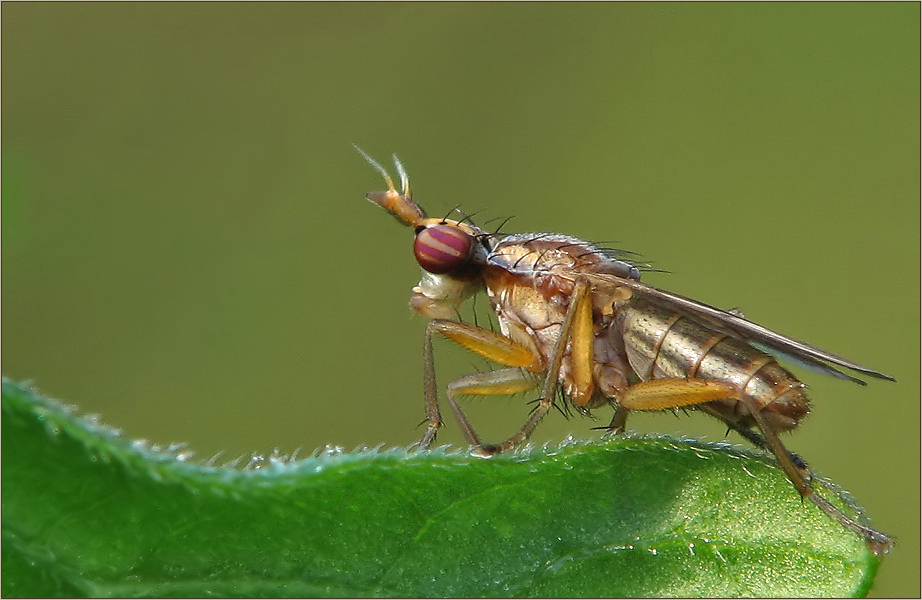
{"x": 577, "y": 332}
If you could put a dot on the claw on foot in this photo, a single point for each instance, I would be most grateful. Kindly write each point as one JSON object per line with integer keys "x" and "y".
{"x": 484, "y": 451}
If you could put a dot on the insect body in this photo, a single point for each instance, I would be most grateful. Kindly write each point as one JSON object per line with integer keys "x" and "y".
{"x": 577, "y": 316}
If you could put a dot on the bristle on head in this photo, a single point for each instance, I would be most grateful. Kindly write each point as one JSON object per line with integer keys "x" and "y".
{"x": 377, "y": 166}
{"x": 404, "y": 178}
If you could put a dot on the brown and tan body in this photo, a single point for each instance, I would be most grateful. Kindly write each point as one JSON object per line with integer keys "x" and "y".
{"x": 576, "y": 317}
{"x": 634, "y": 339}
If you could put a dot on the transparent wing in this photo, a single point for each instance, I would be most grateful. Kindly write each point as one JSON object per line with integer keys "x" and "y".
{"x": 734, "y": 324}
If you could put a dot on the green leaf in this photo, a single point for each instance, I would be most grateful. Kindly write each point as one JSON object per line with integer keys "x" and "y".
{"x": 86, "y": 512}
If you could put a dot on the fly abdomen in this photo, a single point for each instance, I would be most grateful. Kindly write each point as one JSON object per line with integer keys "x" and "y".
{"x": 663, "y": 344}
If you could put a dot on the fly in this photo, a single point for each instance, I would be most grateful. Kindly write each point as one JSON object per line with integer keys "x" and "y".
{"x": 576, "y": 317}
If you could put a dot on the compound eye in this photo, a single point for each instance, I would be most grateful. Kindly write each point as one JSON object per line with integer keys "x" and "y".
{"x": 442, "y": 248}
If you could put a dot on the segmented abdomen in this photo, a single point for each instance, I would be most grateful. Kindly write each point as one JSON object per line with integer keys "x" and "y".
{"x": 662, "y": 344}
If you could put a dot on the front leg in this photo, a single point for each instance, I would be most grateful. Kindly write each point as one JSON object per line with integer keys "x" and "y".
{"x": 576, "y": 332}
{"x": 486, "y": 343}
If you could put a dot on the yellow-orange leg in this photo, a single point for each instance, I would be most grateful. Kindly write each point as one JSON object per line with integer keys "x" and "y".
{"x": 661, "y": 394}
{"x": 523, "y": 356}
{"x": 492, "y": 383}
{"x": 486, "y": 343}
{"x": 619, "y": 421}
{"x": 577, "y": 330}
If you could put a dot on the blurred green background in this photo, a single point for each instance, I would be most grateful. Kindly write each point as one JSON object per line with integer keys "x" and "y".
{"x": 187, "y": 250}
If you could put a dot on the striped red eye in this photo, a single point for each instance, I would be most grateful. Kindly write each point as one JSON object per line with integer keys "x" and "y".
{"x": 442, "y": 248}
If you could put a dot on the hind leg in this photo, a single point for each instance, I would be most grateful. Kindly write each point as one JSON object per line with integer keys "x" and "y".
{"x": 660, "y": 394}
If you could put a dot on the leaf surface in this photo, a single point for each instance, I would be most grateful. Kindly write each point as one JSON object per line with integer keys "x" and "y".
{"x": 87, "y": 512}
